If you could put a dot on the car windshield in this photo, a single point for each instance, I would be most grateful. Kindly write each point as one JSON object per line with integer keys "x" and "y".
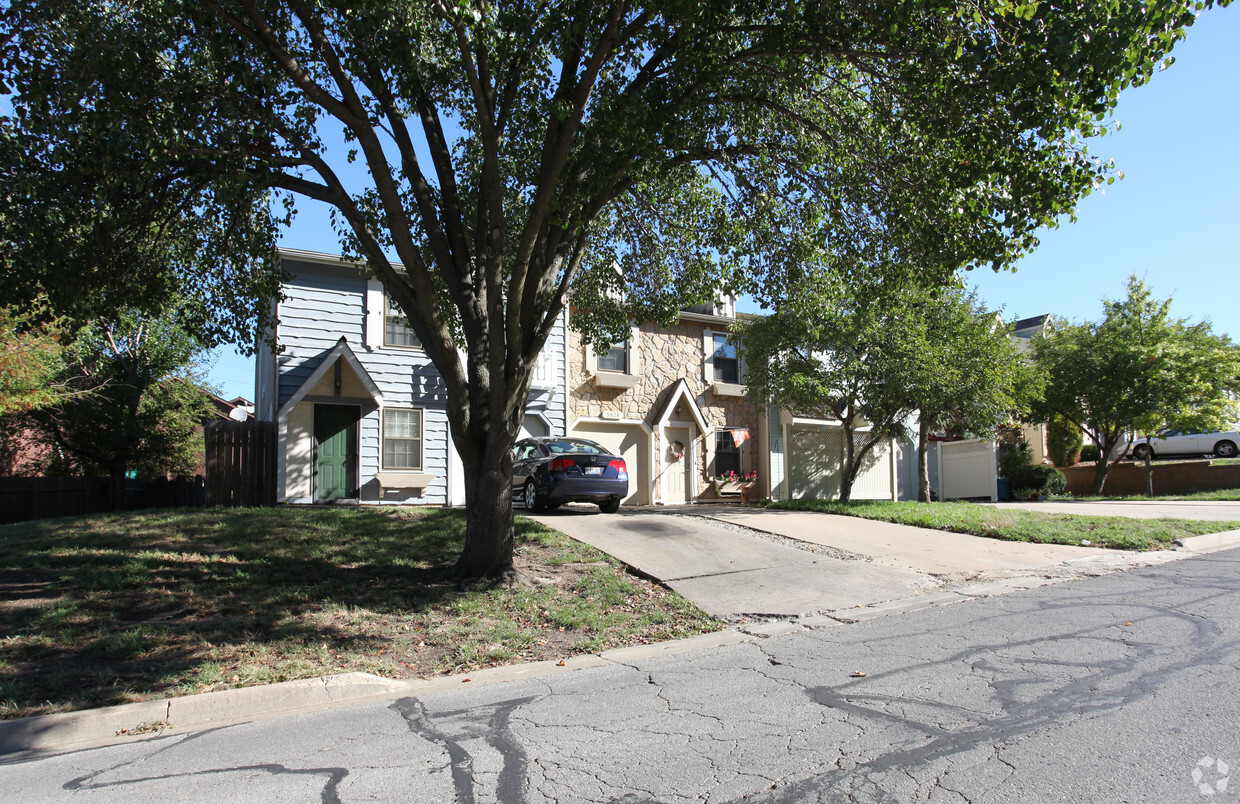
{"x": 574, "y": 445}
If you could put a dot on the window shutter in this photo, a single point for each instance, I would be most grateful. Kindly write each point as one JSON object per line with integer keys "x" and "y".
{"x": 708, "y": 357}
{"x": 635, "y": 352}
{"x": 375, "y": 309}
{"x": 591, "y": 360}
{"x": 709, "y": 437}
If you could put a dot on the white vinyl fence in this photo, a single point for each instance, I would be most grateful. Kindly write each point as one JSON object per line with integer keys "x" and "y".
{"x": 967, "y": 469}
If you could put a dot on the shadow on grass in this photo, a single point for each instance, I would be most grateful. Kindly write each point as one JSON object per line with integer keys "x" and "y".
{"x": 95, "y": 607}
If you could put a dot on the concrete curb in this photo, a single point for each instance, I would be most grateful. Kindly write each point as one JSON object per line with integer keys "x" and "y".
{"x": 1211, "y": 542}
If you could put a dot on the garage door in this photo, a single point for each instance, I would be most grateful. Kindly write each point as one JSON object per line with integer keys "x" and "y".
{"x": 631, "y": 443}
{"x": 815, "y": 458}
{"x": 531, "y": 427}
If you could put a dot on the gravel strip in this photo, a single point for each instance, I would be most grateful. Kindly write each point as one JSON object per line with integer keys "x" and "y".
{"x": 786, "y": 541}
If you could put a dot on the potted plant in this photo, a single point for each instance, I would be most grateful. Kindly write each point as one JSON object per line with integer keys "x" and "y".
{"x": 732, "y": 483}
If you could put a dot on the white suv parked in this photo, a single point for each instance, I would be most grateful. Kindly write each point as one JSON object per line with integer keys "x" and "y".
{"x": 1188, "y": 442}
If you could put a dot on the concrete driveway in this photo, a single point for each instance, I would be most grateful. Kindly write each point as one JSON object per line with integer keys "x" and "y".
{"x": 1139, "y": 509}
{"x": 729, "y": 573}
{"x": 735, "y": 562}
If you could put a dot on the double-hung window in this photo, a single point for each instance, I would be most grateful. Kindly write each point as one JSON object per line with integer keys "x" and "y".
{"x": 402, "y": 439}
{"x": 727, "y": 453}
{"x": 396, "y": 329}
{"x": 616, "y": 359}
{"x": 727, "y": 369}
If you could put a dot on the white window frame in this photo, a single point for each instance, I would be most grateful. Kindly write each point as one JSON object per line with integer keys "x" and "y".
{"x": 388, "y": 307}
{"x": 421, "y": 439}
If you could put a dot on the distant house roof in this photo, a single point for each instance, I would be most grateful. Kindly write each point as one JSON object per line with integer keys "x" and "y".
{"x": 1028, "y": 327}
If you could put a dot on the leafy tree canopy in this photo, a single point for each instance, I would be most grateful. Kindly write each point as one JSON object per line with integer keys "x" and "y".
{"x": 1136, "y": 370}
{"x": 141, "y": 399}
{"x": 32, "y": 357}
{"x": 512, "y": 151}
{"x": 883, "y": 353}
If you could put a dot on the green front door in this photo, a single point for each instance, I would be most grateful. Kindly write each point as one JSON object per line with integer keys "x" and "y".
{"x": 335, "y": 443}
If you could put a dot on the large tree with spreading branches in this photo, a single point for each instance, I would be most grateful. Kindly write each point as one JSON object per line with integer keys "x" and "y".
{"x": 512, "y": 152}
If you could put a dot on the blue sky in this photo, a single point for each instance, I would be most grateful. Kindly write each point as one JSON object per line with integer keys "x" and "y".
{"x": 1174, "y": 219}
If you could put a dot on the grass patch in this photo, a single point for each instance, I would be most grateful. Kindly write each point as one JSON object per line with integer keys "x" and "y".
{"x": 128, "y": 607}
{"x": 1018, "y": 525}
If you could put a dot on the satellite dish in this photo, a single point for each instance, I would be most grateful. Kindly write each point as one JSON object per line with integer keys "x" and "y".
{"x": 238, "y": 414}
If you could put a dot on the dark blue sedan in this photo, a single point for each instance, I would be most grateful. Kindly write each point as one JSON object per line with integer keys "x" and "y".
{"x": 547, "y": 472}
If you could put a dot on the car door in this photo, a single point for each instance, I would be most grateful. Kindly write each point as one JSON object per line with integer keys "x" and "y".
{"x": 525, "y": 458}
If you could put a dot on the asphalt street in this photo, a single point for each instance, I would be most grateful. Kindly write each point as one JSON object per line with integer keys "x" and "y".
{"x": 1114, "y": 688}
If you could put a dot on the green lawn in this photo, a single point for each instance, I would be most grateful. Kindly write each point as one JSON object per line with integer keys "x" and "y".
{"x": 116, "y": 608}
{"x": 1018, "y": 525}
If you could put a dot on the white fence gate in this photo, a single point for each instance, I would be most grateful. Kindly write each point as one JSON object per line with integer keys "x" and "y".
{"x": 967, "y": 469}
{"x": 815, "y": 463}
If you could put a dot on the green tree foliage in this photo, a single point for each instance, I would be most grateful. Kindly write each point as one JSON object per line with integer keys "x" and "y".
{"x": 512, "y": 152}
{"x": 966, "y": 373}
{"x": 142, "y": 404}
{"x": 32, "y": 357}
{"x": 878, "y": 355}
{"x": 1136, "y": 370}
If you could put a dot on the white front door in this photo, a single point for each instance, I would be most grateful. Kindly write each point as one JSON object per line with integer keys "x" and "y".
{"x": 677, "y": 470}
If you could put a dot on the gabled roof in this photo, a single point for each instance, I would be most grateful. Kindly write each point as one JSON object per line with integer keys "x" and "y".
{"x": 340, "y": 351}
{"x": 680, "y": 391}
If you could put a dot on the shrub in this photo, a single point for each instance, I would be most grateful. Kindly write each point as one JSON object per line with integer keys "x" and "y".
{"x": 1037, "y": 481}
{"x": 1013, "y": 456}
{"x": 1063, "y": 441}
{"x": 1090, "y": 452}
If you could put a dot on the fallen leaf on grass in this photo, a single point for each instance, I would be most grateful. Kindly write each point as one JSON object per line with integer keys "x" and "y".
{"x": 858, "y": 674}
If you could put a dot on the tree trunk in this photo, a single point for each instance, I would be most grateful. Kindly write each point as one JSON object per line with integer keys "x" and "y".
{"x": 488, "y": 547}
{"x": 849, "y": 469}
{"x": 1100, "y": 475}
{"x": 1149, "y": 471}
{"x": 923, "y": 463}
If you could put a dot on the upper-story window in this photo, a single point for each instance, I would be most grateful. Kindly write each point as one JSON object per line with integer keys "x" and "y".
{"x": 726, "y": 367}
{"x": 615, "y": 359}
{"x": 396, "y": 329}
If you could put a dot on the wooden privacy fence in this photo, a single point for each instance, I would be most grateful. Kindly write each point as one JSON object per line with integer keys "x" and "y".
{"x": 241, "y": 462}
{"x": 25, "y": 498}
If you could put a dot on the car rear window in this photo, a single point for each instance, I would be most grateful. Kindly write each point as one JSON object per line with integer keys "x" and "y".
{"x": 574, "y": 445}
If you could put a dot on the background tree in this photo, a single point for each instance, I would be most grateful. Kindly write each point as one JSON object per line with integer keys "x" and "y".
{"x": 32, "y": 357}
{"x": 966, "y": 375}
{"x": 144, "y": 405}
{"x": 1134, "y": 370}
{"x": 879, "y": 355}
{"x": 513, "y": 152}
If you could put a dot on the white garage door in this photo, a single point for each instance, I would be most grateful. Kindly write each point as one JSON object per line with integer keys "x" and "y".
{"x": 631, "y": 443}
{"x": 815, "y": 458}
{"x": 531, "y": 427}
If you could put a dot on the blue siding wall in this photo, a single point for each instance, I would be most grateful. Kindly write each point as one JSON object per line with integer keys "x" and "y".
{"x": 324, "y": 303}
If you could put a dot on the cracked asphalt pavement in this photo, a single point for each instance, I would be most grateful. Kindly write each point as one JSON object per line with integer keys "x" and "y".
{"x": 1114, "y": 688}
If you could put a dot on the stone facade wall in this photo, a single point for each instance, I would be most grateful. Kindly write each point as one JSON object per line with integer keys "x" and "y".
{"x": 667, "y": 355}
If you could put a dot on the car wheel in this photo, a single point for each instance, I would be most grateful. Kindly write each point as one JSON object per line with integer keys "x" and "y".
{"x": 611, "y": 506}
{"x": 1141, "y": 450}
{"x": 1225, "y": 449}
{"x": 532, "y": 502}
